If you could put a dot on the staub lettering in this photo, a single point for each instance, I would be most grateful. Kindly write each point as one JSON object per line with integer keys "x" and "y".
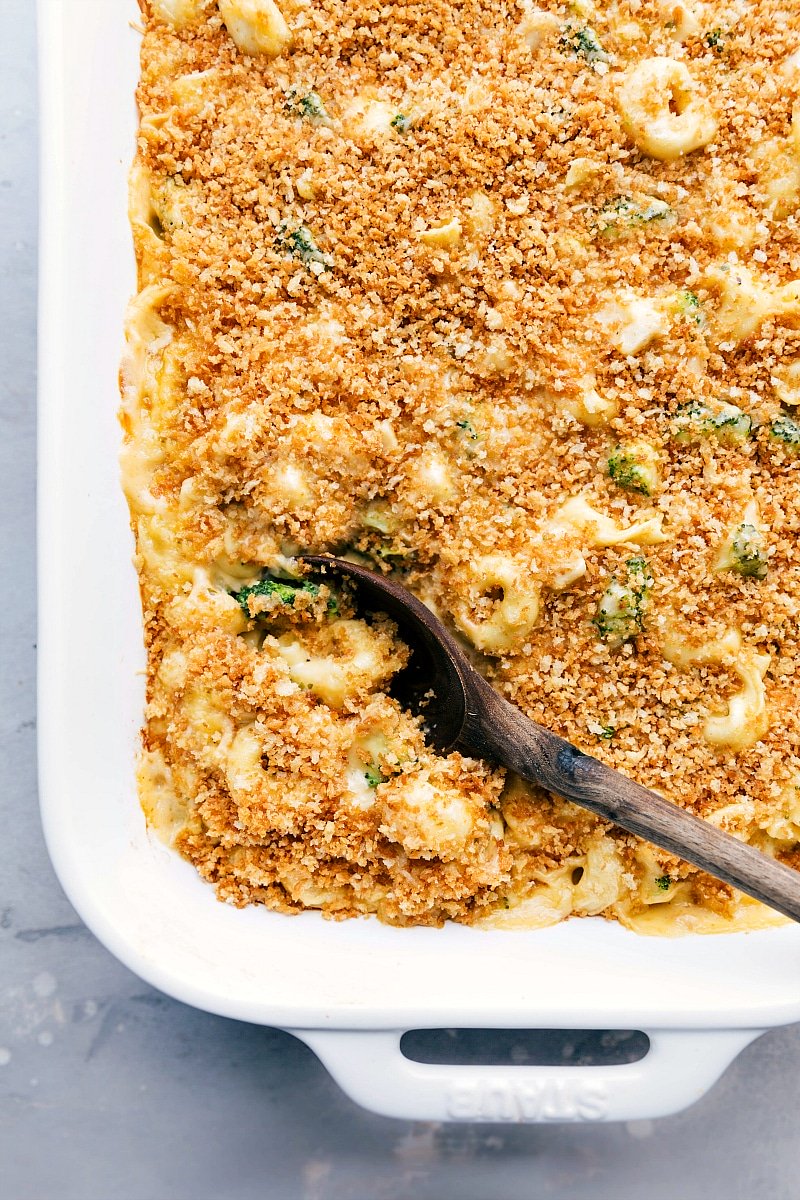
{"x": 545, "y": 1100}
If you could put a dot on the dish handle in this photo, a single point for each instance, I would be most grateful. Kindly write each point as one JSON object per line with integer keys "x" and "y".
{"x": 679, "y": 1067}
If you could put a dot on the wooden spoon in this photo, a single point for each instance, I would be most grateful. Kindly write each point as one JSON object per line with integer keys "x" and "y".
{"x": 460, "y": 710}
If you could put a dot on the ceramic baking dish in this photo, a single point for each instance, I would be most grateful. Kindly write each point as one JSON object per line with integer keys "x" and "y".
{"x": 347, "y": 989}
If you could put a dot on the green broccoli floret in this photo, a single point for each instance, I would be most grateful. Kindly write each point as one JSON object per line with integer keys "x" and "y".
{"x": 583, "y": 43}
{"x": 639, "y": 577}
{"x": 695, "y": 421}
{"x": 689, "y": 307}
{"x": 374, "y": 776}
{"x": 401, "y": 122}
{"x": 746, "y": 553}
{"x": 301, "y": 245}
{"x": 621, "y": 611}
{"x": 731, "y": 426}
{"x": 715, "y": 40}
{"x": 786, "y": 431}
{"x": 309, "y": 107}
{"x": 381, "y": 541}
{"x": 634, "y": 468}
{"x": 691, "y": 421}
{"x": 468, "y": 429}
{"x": 619, "y": 216}
{"x": 606, "y": 733}
{"x": 663, "y": 883}
{"x": 617, "y": 617}
{"x": 278, "y": 593}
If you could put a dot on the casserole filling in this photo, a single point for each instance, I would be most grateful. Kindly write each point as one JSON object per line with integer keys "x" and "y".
{"x": 503, "y": 299}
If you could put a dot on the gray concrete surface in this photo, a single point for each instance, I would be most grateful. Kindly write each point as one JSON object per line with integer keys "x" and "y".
{"x": 111, "y": 1091}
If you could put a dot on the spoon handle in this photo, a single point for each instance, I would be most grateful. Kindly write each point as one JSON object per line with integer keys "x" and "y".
{"x": 496, "y": 729}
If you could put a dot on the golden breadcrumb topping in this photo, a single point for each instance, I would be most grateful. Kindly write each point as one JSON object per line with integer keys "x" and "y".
{"x": 502, "y": 298}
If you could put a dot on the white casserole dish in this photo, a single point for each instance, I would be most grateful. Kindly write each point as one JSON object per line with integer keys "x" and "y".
{"x": 349, "y": 989}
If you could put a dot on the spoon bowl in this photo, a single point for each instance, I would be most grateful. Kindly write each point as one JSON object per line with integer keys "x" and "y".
{"x": 461, "y": 710}
{"x": 434, "y": 683}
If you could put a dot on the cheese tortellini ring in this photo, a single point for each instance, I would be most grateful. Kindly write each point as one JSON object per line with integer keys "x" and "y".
{"x": 783, "y": 822}
{"x": 633, "y": 322}
{"x": 787, "y": 303}
{"x": 195, "y": 88}
{"x": 662, "y": 111}
{"x": 786, "y": 383}
{"x": 501, "y": 604}
{"x": 256, "y": 26}
{"x": 744, "y": 301}
{"x": 779, "y": 170}
{"x": 147, "y": 337}
{"x": 654, "y": 886}
{"x": 166, "y": 810}
{"x": 587, "y": 406}
{"x": 601, "y": 530}
{"x": 552, "y": 900}
{"x": 746, "y": 720}
{"x": 365, "y": 118}
{"x": 431, "y": 479}
{"x": 600, "y": 884}
{"x": 209, "y": 725}
{"x": 254, "y": 789}
{"x": 736, "y": 819}
{"x": 243, "y": 761}
{"x": 576, "y": 525}
{"x": 682, "y": 18}
{"x": 536, "y": 26}
{"x": 177, "y": 12}
{"x": 683, "y": 652}
{"x": 480, "y": 214}
{"x": 427, "y": 817}
{"x": 347, "y": 660}
{"x": 289, "y": 488}
{"x": 447, "y": 233}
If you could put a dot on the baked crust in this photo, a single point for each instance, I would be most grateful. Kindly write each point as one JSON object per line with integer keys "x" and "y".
{"x": 425, "y": 285}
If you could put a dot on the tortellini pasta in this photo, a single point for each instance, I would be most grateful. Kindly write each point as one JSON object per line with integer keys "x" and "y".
{"x": 367, "y": 118}
{"x": 779, "y": 163}
{"x": 747, "y": 719}
{"x": 431, "y": 479}
{"x": 685, "y": 649}
{"x": 342, "y": 661}
{"x": 147, "y": 337}
{"x": 501, "y": 603}
{"x": 257, "y": 791}
{"x": 783, "y": 825}
{"x": 663, "y": 111}
{"x": 586, "y": 404}
{"x": 425, "y": 816}
{"x": 256, "y": 26}
{"x": 745, "y": 301}
{"x": 178, "y": 12}
{"x": 785, "y": 381}
{"x": 602, "y": 530}
{"x": 600, "y": 884}
{"x": 681, "y": 18}
{"x": 445, "y": 234}
{"x": 633, "y": 322}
